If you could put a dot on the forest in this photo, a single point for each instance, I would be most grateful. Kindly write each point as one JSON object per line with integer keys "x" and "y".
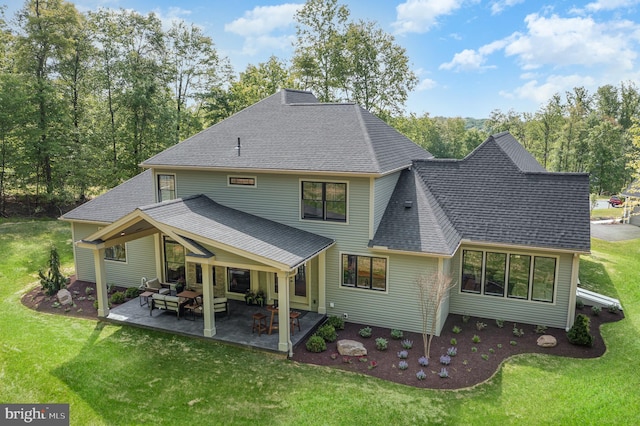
{"x": 85, "y": 97}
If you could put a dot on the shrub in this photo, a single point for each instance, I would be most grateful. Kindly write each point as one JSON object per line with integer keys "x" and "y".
{"x": 474, "y": 349}
{"x": 485, "y": 357}
{"x": 452, "y": 351}
{"x": 131, "y": 292}
{"x": 327, "y": 332}
{"x": 89, "y": 290}
{"x": 382, "y": 344}
{"x": 580, "y": 334}
{"x": 403, "y": 365}
{"x": 596, "y": 310}
{"x": 445, "y": 359}
{"x": 500, "y": 323}
{"x": 492, "y": 351}
{"x": 481, "y": 325}
{"x": 407, "y": 344}
{"x": 453, "y": 341}
{"x": 579, "y": 304}
{"x": 613, "y": 308}
{"x": 52, "y": 280}
{"x": 423, "y": 361}
{"x": 465, "y": 319}
{"x": 518, "y": 332}
{"x": 347, "y": 360}
{"x": 336, "y": 322}
{"x": 403, "y": 354}
{"x": 456, "y": 329}
{"x": 372, "y": 365}
{"x": 443, "y": 373}
{"x": 513, "y": 343}
{"x": 365, "y": 332}
{"x": 396, "y": 334}
{"x": 334, "y": 355}
{"x": 316, "y": 344}
{"x": 421, "y": 375}
{"x": 499, "y": 345}
{"x": 117, "y": 298}
{"x": 475, "y": 338}
{"x": 541, "y": 329}
{"x": 363, "y": 359}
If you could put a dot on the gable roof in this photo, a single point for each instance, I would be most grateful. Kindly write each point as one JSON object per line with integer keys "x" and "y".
{"x": 117, "y": 202}
{"x": 200, "y": 220}
{"x": 494, "y": 195}
{"x": 633, "y": 190}
{"x": 292, "y": 131}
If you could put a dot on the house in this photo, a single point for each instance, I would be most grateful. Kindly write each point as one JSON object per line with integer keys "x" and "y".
{"x": 631, "y": 214}
{"x": 326, "y": 208}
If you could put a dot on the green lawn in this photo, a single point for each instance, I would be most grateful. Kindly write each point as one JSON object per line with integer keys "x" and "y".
{"x": 120, "y": 375}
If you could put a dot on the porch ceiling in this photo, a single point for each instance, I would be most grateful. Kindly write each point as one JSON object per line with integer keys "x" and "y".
{"x": 199, "y": 220}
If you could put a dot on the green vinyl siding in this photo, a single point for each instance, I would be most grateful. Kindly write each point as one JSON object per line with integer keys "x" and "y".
{"x": 382, "y": 191}
{"x": 140, "y": 260}
{"x": 398, "y": 307}
{"x": 512, "y": 309}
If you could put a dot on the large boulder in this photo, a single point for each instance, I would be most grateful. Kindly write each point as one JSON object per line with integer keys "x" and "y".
{"x": 547, "y": 341}
{"x": 351, "y": 348}
{"x": 64, "y": 297}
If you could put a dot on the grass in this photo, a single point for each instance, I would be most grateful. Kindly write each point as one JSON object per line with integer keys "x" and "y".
{"x": 117, "y": 375}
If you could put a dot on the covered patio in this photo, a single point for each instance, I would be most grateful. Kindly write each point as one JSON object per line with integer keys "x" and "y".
{"x": 234, "y": 328}
{"x": 213, "y": 236}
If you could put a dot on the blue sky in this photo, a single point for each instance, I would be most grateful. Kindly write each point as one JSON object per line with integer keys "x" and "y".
{"x": 471, "y": 56}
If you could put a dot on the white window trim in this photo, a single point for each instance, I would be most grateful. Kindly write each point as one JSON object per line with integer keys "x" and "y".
{"x": 356, "y": 288}
{"x": 237, "y": 185}
{"x": 300, "y": 205}
{"x": 506, "y": 295}
{"x": 126, "y": 257}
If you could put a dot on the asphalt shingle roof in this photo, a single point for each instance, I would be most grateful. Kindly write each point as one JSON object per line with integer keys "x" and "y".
{"x": 117, "y": 202}
{"x": 494, "y": 195}
{"x": 290, "y": 130}
{"x": 199, "y": 215}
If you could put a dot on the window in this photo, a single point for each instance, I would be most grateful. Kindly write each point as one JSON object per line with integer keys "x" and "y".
{"x": 199, "y": 274}
{"x": 544, "y": 276}
{"x": 324, "y": 201}
{"x": 166, "y": 187}
{"x": 173, "y": 261}
{"x": 117, "y": 253}
{"x": 242, "y": 181}
{"x": 516, "y": 276}
{"x": 364, "y": 272}
{"x": 239, "y": 280}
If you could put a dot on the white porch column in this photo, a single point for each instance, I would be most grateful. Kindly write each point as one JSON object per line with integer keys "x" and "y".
{"x": 322, "y": 283}
{"x": 101, "y": 283}
{"x": 571, "y": 313}
{"x": 207, "y": 299}
{"x": 284, "y": 344}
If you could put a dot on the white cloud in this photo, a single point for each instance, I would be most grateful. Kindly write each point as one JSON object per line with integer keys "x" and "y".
{"x": 426, "y": 84}
{"x": 500, "y": 5}
{"x": 471, "y": 60}
{"x": 419, "y": 16}
{"x": 263, "y": 20}
{"x": 541, "y": 92}
{"x": 174, "y": 14}
{"x": 560, "y": 41}
{"x": 601, "y": 5}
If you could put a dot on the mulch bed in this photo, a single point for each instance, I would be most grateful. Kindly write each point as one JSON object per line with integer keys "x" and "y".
{"x": 467, "y": 368}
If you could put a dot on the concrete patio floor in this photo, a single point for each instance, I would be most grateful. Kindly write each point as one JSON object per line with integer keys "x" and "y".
{"x": 234, "y": 328}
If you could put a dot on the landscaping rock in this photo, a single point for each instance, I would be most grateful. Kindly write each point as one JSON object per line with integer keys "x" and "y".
{"x": 547, "y": 341}
{"x": 351, "y": 348}
{"x": 64, "y": 297}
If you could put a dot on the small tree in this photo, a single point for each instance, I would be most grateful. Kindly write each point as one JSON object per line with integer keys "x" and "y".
{"x": 53, "y": 280}
{"x": 432, "y": 290}
{"x": 580, "y": 333}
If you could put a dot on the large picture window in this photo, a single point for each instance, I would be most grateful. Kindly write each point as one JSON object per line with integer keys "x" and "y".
{"x": 116, "y": 253}
{"x": 517, "y": 276}
{"x": 364, "y": 272}
{"x": 166, "y": 187}
{"x": 324, "y": 201}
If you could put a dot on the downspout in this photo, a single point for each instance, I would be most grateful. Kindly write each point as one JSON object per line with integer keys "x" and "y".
{"x": 571, "y": 311}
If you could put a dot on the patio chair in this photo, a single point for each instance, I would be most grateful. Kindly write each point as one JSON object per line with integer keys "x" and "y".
{"x": 155, "y": 286}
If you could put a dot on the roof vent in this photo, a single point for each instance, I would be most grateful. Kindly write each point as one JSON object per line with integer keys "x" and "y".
{"x": 237, "y": 148}
{"x": 408, "y": 204}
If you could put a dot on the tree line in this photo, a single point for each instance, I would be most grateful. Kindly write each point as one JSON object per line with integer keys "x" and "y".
{"x": 86, "y": 97}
